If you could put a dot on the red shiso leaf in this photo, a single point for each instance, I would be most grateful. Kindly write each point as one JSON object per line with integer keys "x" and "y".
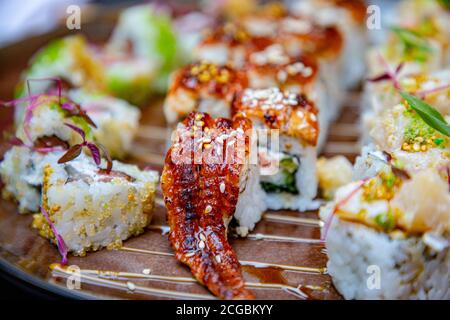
{"x": 71, "y": 154}
{"x": 77, "y": 130}
{"x": 95, "y": 152}
{"x": 62, "y": 248}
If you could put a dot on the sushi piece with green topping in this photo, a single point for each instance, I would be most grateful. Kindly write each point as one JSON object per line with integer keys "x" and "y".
{"x": 146, "y": 45}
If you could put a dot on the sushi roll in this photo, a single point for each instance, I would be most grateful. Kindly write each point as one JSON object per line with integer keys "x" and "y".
{"x": 411, "y": 143}
{"x": 145, "y": 33}
{"x": 229, "y": 43}
{"x": 204, "y": 87}
{"x": 303, "y": 36}
{"x": 333, "y": 173}
{"x": 207, "y": 180}
{"x": 45, "y": 134}
{"x": 128, "y": 77}
{"x": 349, "y": 16}
{"x": 419, "y": 52}
{"x": 387, "y": 237}
{"x": 433, "y": 88}
{"x": 41, "y": 136}
{"x": 116, "y": 120}
{"x": 273, "y": 67}
{"x": 21, "y": 173}
{"x": 69, "y": 59}
{"x": 93, "y": 208}
{"x": 293, "y": 183}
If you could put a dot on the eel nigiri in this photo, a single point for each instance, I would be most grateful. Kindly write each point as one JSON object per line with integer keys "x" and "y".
{"x": 202, "y": 196}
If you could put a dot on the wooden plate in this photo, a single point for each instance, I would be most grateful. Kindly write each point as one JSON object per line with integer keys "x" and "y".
{"x": 285, "y": 246}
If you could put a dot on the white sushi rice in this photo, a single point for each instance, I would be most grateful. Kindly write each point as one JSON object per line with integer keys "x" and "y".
{"x": 90, "y": 212}
{"x": 250, "y": 206}
{"x": 21, "y": 173}
{"x": 407, "y": 268}
{"x": 46, "y": 121}
{"x": 305, "y": 179}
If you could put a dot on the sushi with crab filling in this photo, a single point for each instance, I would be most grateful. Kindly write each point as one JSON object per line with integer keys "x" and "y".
{"x": 69, "y": 59}
{"x": 388, "y": 237}
{"x": 288, "y": 166}
{"x": 208, "y": 179}
{"x": 91, "y": 208}
{"x": 117, "y": 121}
{"x": 273, "y": 67}
{"x": 350, "y": 18}
{"x": 144, "y": 33}
{"x": 203, "y": 87}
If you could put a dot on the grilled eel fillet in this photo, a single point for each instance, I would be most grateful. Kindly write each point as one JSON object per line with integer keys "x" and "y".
{"x": 201, "y": 198}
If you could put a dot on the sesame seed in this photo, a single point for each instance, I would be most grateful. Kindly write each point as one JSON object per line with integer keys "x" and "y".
{"x": 190, "y": 254}
{"x": 131, "y": 286}
{"x": 146, "y": 271}
{"x": 201, "y": 245}
{"x": 208, "y": 209}
{"x": 218, "y": 259}
{"x": 222, "y": 187}
{"x": 202, "y": 237}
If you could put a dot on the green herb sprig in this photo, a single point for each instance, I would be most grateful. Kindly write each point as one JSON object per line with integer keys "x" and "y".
{"x": 429, "y": 115}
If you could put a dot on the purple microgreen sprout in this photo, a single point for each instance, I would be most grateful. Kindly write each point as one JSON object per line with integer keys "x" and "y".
{"x": 393, "y": 76}
{"x": 423, "y": 93}
{"x": 389, "y": 74}
{"x": 58, "y": 85}
{"x": 76, "y": 149}
{"x": 16, "y": 141}
{"x": 62, "y": 248}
